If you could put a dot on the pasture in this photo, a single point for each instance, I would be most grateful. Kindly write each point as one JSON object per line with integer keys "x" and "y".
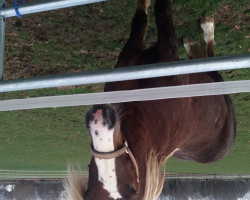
{"x": 90, "y": 38}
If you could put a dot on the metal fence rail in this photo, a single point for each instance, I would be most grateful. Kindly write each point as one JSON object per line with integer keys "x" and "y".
{"x": 206, "y": 176}
{"x": 41, "y": 6}
{"x": 205, "y": 89}
{"x": 27, "y": 175}
{"x": 22, "y": 174}
{"x": 130, "y": 73}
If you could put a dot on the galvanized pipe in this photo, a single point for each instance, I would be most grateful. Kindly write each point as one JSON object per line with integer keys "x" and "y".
{"x": 2, "y": 41}
{"x": 182, "y": 91}
{"x": 41, "y": 6}
{"x": 130, "y": 73}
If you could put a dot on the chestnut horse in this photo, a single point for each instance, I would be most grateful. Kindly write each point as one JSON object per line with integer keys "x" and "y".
{"x": 131, "y": 142}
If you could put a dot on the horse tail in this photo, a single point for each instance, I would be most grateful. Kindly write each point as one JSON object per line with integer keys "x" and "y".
{"x": 75, "y": 185}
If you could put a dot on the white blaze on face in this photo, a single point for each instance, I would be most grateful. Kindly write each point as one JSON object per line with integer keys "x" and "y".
{"x": 107, "y": 175}
{"x": 102, "y": 139}
{"x": 208, "y": 29}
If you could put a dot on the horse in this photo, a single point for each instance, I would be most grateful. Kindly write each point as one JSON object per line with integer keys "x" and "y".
{"x": 131, "y": 142}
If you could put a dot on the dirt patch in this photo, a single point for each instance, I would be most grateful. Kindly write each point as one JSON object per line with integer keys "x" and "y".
{"x": 226, "y": 15}
{"x": 55, "y": 42}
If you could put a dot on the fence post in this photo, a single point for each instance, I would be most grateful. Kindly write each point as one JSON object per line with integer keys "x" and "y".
{"x": 2, "y": 40}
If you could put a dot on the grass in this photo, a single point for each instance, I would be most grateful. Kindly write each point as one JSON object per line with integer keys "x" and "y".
{"x": 49, "y": 146}
{"x": 88, "y": 38}
{"x": 44, "y": 139}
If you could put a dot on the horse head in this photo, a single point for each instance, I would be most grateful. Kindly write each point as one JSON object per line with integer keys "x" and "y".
{"x": 112, "y": 170}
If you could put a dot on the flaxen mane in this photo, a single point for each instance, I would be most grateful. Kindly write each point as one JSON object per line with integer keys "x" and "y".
{"x": 76, "y": 184}
{"x": 155, "y": 176}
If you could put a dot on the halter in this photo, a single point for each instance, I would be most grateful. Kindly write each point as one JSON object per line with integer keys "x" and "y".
{"x": 117, "y": 153}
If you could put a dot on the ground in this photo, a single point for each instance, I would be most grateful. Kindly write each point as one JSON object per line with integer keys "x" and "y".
{"x": 90, "y": 37}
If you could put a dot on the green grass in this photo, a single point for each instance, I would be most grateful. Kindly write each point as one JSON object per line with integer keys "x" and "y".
{"x": 88, "y": 38}
{"x": 43, "y": 139}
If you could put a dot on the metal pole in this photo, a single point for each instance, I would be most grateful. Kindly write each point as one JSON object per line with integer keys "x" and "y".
{"x": 130, "y": 73}
{"x": 182, "y": 91}
{"x": 45, "y": 5}
{"x": 2, "y": 40}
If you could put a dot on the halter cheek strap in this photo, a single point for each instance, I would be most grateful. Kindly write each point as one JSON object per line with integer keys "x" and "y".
{"x": 117, "y": 153}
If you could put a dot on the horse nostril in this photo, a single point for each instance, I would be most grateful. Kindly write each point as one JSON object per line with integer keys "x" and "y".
{"x": 104, "y": 123}
{"x": 96, "y": 133}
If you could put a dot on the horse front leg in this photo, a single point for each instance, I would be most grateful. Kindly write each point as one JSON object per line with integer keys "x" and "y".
{"x": 167, "y": 41}
{"x": 136, "y": 41}
{"x": 207, "y": 25}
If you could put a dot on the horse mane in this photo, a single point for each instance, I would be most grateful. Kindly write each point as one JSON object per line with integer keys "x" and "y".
{"x": 76, "y": 184}
{"x": 155, "y": 175}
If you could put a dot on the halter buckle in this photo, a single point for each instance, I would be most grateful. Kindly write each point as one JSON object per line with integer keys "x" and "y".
{"x": 126, "y": 147}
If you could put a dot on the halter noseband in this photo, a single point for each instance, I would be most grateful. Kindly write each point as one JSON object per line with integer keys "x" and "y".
{"x": 117, "y": 153}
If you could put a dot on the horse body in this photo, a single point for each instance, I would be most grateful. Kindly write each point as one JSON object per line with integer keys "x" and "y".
{"x": 200, "y": 129}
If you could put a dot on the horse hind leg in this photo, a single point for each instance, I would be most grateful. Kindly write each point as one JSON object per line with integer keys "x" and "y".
{"x": 193, "y": 49}
{"x": 136, "y": 41}
{"x": 207, "y": 25}
{"x": 188, "y": 43}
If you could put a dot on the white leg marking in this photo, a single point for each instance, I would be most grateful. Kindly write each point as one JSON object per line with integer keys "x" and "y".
{"x": 187, "y": 42}
{"x": 208, "y": 29}
{"x": 187, "y": 47}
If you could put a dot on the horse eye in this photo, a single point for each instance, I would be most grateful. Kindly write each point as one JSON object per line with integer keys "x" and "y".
{"x": 132, "y": 189}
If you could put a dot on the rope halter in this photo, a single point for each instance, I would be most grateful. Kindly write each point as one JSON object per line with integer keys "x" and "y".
{"x": 117, "y": 153}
